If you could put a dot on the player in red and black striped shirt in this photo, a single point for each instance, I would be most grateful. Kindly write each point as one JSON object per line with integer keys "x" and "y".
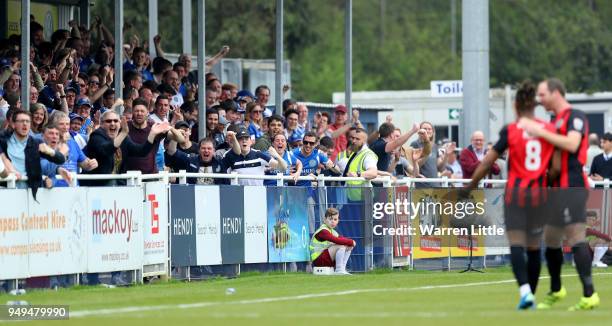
{"x": 568, "y": 207}
{"x": 528, "y": 161}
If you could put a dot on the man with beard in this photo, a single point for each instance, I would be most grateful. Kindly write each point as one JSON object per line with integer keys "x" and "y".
{"x": 361, "y": 163}
{"x": 212, "y": 128}
{"x": 110, "y": 142}
{"x": 140, "y": 127}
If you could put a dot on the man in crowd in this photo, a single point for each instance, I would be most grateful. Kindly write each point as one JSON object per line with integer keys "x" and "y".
{"x": 386, "y": 143}
{"x": 109, "y": 143}
{"x": 601, "y": 168}
{"x": 275, "y": 126}
{"x": 311, "y": 158}
{"x": 25, "y": 151}
{"x": 139, "y": 130}
{"x": 340, "y": 126}
{"x": 472, "y": 155}
{"x": 244, "y": 160}
{"x": 303, "y": 121}
{"x": 262, "y": 92}
{"x": 204, "y": 162}
{"x": 593, "y": 150}
{"x": 294, "y": 132}
{"x": 75, "y": 157}
{"x": 212, "y": 128}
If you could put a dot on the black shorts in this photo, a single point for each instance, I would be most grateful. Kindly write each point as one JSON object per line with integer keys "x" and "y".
{"x": 567, "y": 206}
{"x": 524, "y": 218}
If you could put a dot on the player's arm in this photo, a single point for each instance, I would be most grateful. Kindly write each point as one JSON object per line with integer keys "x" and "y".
{"x": 569, "y": 143}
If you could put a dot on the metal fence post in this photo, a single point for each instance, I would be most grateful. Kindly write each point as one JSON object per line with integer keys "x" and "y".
{"x": 182, "y": 177}
{"x": 320, "y": 180}
{"x": 11, "y": 181}
{"x": 73, "y": 179}
{"x": 388, "y": 183}
{"x": 279, "y": 181}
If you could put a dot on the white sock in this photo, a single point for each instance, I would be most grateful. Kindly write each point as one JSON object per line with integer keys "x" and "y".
{"x": 524, "y": 290}
{"x": 340, "y": 264}
{"x": 599, "y": 252}
{"x": 347, "y": 255}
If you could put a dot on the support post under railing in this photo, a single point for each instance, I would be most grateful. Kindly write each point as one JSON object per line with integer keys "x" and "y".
{"x": 73, "y": 179}
{"x": 11, "y": 182}
{"x": 606, "y": 183}
{"x": 135, "y": 178}
{"x": 445, "y": 182}
{"x": 388, "y": 183}
{"x": 235, "y": 179}
{"x": 165, "y": 178}
{"x": 183, "y": 177}
{"x": 279, "y": 181}
{"x": 320, "y": 180}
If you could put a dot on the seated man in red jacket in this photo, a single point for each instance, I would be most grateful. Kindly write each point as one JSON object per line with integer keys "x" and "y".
{"x": 327, "y": 247}
{"x": 471, "y": 156}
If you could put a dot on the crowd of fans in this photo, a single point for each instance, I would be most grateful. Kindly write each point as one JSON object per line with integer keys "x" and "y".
{"x": 74, "y": 112}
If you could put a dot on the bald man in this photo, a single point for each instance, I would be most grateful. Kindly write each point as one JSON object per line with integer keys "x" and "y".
{"x": 471, "y": 156}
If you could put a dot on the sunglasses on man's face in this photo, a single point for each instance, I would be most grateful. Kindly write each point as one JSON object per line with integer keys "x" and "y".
{"x": 310, "y": 143}
{"x": 111, "y": 120}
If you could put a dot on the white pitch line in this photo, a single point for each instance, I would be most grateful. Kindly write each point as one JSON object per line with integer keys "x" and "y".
{"x": 99, "y": 312}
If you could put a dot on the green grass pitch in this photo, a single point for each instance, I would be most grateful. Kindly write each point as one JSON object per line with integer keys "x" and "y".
{"x": 378, "y": 298}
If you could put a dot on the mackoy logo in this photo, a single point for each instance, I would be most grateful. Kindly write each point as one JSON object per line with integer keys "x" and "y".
{"x": 113, "y": 221}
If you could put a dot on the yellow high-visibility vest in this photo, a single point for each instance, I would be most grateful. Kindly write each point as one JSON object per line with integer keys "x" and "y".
{"x": 317, "y": 247}
{"x": 354, "y": 190}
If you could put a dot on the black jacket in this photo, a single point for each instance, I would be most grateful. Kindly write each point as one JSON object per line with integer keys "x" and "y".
{"x": 102, "y": 148}
{"x": 192, "y": 163}
{"x": 32, "y": 160}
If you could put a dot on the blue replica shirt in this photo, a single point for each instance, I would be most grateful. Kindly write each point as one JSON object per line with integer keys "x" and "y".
{"x": 75, "y": 156}
{"x": 309, "y": 163}
{"x": 255, "y": 131}
{"x": 290, "y": 159}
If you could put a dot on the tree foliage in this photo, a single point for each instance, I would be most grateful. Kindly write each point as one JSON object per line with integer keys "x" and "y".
{"x": 398, "y": 44}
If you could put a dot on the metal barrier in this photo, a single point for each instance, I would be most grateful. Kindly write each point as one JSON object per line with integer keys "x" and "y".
{"x": 357, "y": 217}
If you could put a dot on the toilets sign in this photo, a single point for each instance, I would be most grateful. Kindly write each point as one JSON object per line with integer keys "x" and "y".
{"x": 446, "y": 88}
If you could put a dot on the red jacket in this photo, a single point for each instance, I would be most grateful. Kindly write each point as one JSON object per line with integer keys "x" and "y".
{"x": 325, "y": 260}
{"x": 469, "y": 162}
